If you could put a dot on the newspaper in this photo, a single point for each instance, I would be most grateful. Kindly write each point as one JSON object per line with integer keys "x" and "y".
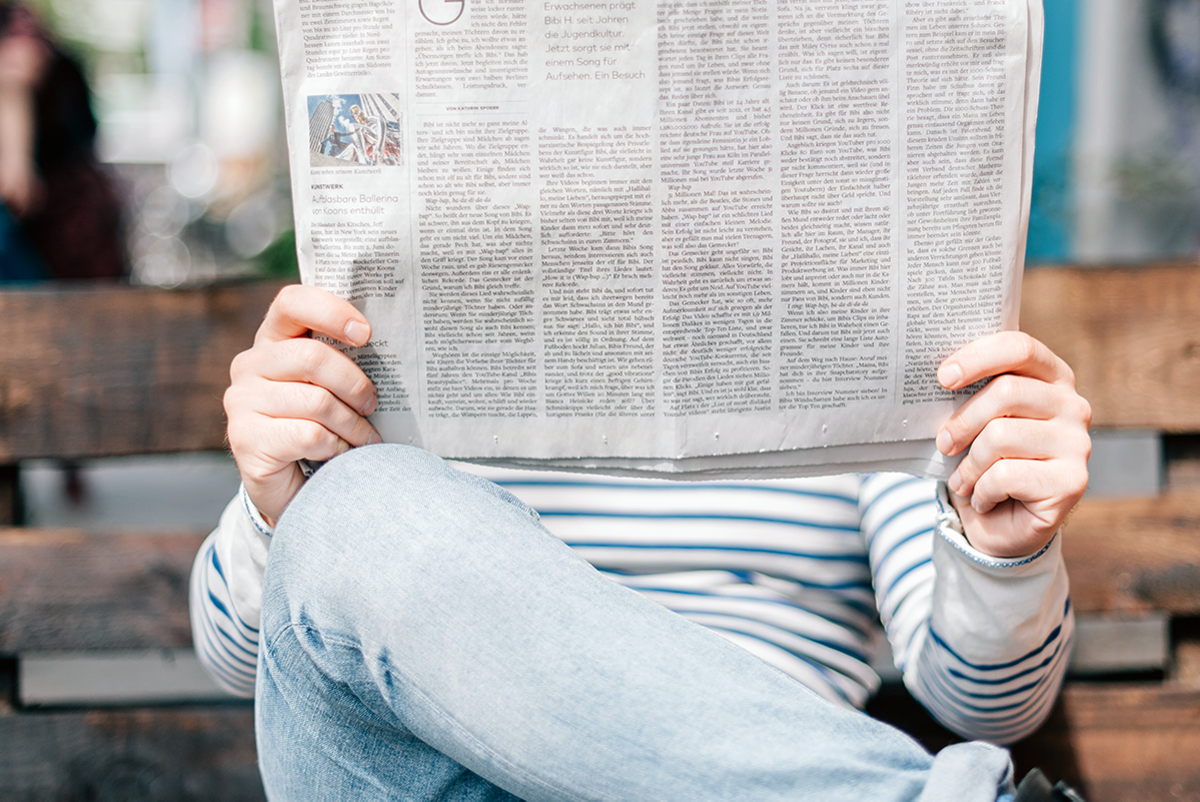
{"x": 686, "y": 238}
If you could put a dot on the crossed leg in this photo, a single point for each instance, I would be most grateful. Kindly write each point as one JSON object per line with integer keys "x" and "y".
{"x": 424, "y": 637}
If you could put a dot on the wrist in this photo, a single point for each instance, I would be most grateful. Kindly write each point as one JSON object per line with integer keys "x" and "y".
{"x": 952, "y": 527}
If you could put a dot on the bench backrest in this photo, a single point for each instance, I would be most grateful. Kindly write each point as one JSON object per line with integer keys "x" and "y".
{"x": 93, "y": 372}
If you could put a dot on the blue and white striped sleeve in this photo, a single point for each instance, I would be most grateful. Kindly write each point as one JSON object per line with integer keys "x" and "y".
{"x": 982, "y": 642}
{"x": 225, "y": 596}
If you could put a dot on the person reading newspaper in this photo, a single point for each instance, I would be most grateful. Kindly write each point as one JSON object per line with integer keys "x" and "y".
{"x": 413, "y": 630}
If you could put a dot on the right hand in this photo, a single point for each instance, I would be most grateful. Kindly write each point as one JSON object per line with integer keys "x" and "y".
{"x": 294, "y": 397}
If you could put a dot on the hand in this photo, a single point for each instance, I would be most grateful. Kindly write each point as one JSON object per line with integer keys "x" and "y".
{"x": 294, "y": 397}
{"x": 20, "y": 187}
{"x": 1027, "y": 435}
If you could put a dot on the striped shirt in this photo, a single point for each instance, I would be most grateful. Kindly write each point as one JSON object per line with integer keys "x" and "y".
{"x": 799, "y": 572}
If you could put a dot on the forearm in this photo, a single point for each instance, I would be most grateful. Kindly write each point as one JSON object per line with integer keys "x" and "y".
{"x": 226, "y": 597}
{"x": 982, "y": 642}
{"x": 991, "y": 658}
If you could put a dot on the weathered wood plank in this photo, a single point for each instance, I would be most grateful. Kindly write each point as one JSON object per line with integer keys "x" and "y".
{"x": 189, "y": 753}
{"x": 1133, "y": 743}
{"x": 1132, "y": 335}
{"x": 100, "y": 371}
{"x": 69, "y": 590}
{"x": 120, "y": 370}
{"x": 1115, "y": 742}
{"x": 1137, "y": 554}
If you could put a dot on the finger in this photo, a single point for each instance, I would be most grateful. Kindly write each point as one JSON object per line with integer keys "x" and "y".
{"x": 1005, "y": 352}
{"x": 308, "y": 361}
{"x": 310, "y": 402}
{"x": 1048, "y": 489}
{"x": 277, "y": 443}
{"x": 308, "y": 439}
{"x": 1021, "y": 438}
{"x": 298, "y": 309}
{"x": 270, "y": 471}
{"x": 1006, "y": 438}
{"x": 1007, "y": 396}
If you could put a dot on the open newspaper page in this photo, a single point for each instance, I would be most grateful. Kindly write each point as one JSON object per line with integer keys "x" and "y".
{"x": 686, "y": 237}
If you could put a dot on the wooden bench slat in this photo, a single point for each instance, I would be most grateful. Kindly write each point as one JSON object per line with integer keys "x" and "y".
{"x": 1132, "y": 336}
{"x": 1115, "y": 742}
{"x": 108, "y": 371}
{"x": 1122, "y": 741}
{"x": 167, "y": 753}
{"x": 120, "y": 370}
{"x": 1135, "y": 554}
{"x": 63, "y": 589}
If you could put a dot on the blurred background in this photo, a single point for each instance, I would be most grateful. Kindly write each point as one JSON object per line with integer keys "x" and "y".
{"x": 187, "y": 103}
{"x": 1118, "y": 143}
{"x": 187, "y": 154}
{"x": 186, "y": 97}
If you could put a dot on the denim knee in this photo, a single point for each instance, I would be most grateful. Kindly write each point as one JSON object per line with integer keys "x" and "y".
{"x": 390, "y": 474}
{"x": 382, "y": 508}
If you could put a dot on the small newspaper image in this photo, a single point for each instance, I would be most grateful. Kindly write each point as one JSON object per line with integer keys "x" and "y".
{"x": 680, "y": 238}
{"x": 355, "y": 130}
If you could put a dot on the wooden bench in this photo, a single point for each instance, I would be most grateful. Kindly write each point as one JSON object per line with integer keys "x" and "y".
{"x": 105, "y": 372}
{"x": 95, "y": 373}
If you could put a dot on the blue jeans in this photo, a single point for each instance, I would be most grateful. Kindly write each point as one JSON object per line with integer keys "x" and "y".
{"x": 424, "y": 637}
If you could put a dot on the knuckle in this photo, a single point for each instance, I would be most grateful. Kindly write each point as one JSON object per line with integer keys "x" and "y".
{"x": 230, "y": 400}
{"x": 289, "y": 295}
{"x": 1068, "y": 373}
{"x": 1078, "y": 483}
{"x": 305, "y": 401}
{"x": 1010, "y": 389}
{"x": 239, "y": 366}
{"x": 1087, "y": 448}
{"x": 233, "y": 436}
{"x": 1029, "y": 347}
{"x": 993, "y": 433}
{"x": 1084, "y": 411}
{"x": 1004, "y": 478}
{"x": 322, "y": 405}
{"x": 310, "y": 356}
{"x": 974, "y": 464}
{"x": 363, "y": 387}
{"x": 307, "y": 436}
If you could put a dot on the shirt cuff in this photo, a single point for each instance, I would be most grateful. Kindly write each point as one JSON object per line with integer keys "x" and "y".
{"x": 256, "y": 518}
{"x": 950, "y": 529}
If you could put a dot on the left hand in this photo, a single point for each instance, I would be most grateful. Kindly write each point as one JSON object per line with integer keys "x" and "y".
{"x": 1027, "y": 435}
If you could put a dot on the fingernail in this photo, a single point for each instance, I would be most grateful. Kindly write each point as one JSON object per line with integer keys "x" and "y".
{"x": 369, "y": 407}
{"x": 374, "y": 438}
{"x": 356, "y": 333}
{"x": 945, "y": 442}
{"x": 950, "y": 374}
{"x": 955, "y": 482}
